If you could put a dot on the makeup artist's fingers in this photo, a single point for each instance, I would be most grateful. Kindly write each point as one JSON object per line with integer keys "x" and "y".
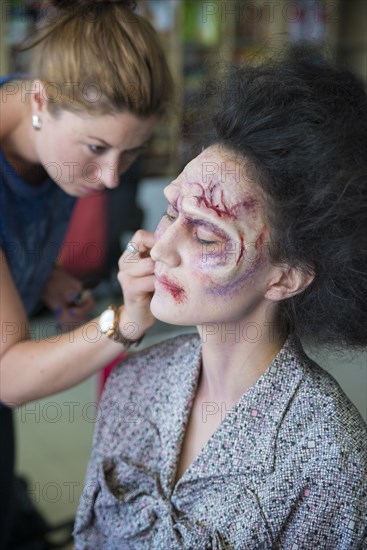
{"x": 133, "y": 281}
{"x": 85, "y": 307}
{"x": 139, "y": 246}
{"x": 135, "y": 263}
{"x": 136, "y": 308}
{"x": 75, "y": 315}
{"x": 144, "y": 266}
{"x": 136, "y": 277}
{"x": 60, "y": 289}
{"x": 139, "y": 287}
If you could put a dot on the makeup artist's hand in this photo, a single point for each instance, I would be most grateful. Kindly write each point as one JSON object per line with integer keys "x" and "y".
{"x": 136, "y": 276}
{"x": 61, "y": 295}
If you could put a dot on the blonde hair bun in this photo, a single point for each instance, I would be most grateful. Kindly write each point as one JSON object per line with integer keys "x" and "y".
{"x": 100, "y": 57}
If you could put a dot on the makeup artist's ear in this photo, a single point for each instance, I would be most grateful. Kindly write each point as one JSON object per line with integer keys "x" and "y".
{"x": 286, "y": 282}
{"x": 38, "y": 97}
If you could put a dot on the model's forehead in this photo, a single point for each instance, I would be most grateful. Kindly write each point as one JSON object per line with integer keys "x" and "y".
{"x": 215, "y": 181}
{"x": 218, "y": 165}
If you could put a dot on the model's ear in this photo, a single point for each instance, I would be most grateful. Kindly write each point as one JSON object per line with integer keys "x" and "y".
{"x": 38, "y": 97}
{"x": 288, "y": 281}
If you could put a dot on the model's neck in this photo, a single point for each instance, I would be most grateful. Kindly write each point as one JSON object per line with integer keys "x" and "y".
{"x": 235, "y": 357}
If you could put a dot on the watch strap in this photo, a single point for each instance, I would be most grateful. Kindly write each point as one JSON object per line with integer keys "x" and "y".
{"x": 118, "y": 337}
{"x": 115, "y": 333}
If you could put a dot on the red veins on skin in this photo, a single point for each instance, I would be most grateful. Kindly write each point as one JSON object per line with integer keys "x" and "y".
{"x": 258, "y": 245}
{"x": 259, "y": 249}
{"x": 242, "y": 250}
{"x": 221, "y": 209}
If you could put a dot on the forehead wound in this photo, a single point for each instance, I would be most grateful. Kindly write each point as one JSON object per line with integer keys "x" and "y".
{"x": 215, "y": 198}
{"x": 226, "y": 200}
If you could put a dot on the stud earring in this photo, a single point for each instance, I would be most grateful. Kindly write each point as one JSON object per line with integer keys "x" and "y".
{"x": 36, "y": 122}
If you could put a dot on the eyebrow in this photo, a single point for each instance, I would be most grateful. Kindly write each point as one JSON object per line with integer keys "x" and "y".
{"x": 111, "y": 146}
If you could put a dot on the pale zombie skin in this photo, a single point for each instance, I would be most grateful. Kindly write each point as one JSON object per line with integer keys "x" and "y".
{"x": 210, "y": 245}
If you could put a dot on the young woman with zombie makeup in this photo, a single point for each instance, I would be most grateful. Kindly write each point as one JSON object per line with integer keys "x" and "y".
{"x": 99, "y": 83}
{"x": 234, "y": 438}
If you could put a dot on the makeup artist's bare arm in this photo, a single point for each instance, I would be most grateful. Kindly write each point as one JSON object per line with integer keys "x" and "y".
{"x": 31, "y": 369}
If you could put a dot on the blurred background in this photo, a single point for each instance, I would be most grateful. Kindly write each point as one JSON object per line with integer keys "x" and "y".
{"x": 198, "y": 34}
{"x": 54, "y": 435}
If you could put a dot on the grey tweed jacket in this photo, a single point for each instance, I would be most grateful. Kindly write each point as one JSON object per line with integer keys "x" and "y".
{"x": 286, "y": 469}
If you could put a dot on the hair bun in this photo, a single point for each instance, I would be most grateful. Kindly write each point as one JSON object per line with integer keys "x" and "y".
{"x": 67, "y": 4}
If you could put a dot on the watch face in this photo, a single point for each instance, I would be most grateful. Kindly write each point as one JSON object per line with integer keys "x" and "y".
{"x": 106, "y": 320}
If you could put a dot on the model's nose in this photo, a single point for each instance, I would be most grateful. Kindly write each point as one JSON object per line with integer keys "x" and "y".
{"x": 165, "y": 248}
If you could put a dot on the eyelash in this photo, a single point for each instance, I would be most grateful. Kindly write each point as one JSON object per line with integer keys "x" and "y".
{"x": 96, "y": 149}
{"x": 201, "y": 241}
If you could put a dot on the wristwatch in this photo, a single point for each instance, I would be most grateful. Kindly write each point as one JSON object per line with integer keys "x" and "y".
{"x": 109, "y": 325}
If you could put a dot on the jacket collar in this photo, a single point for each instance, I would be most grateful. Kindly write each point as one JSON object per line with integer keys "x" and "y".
{"x": 245, "y": 442}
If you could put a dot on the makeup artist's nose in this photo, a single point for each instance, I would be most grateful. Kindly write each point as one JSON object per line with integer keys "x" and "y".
{"x": 165, "y": 249}
{"x": 110, "y": 177}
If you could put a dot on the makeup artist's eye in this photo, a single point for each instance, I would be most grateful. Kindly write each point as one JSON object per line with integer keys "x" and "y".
{"x": 97, "y": 149}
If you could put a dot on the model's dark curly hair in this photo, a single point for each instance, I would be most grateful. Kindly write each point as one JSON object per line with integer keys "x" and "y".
{"x": 302, "y": 123}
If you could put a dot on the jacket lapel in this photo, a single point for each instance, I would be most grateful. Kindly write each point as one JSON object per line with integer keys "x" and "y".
{"x": 245, "y": 442}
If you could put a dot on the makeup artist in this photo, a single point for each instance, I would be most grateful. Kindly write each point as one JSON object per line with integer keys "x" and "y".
{"x": 99, "y": 84}
{"x": 235, "y": 438}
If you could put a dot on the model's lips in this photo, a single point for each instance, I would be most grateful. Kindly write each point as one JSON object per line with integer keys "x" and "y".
{"x": 176, "y": 291}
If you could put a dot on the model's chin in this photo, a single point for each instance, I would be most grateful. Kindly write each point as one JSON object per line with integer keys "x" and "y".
{"x": 158, "y": 307}
{"x": 163, "y": 308}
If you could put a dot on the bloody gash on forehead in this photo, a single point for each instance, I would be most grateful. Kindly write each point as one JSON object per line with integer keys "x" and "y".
{"x": 213, "y": 198}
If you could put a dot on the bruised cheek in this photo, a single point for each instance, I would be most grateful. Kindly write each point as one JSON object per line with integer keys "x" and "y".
{"x": 226, "y": 255}
{"x": 221, "y": 261}
{"x": 229, "y": 270}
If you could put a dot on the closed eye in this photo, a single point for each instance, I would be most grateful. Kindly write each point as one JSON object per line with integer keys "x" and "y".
{"x": 203, "y": 236}
{"x": 206, "y": 233}
{"x": 173, "y": 217}
{"x": 202, "y": 232}
{"x": 204, "y": 241}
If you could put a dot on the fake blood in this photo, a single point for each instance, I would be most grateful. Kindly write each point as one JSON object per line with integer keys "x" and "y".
{"x": 242, "y": 249}
{"x": 177, "y": 293}
{"x": 221, "y": 209}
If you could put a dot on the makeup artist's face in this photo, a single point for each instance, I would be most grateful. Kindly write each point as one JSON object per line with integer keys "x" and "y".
{"x": 211, "y": 259}
{"x": 87, "y": 154}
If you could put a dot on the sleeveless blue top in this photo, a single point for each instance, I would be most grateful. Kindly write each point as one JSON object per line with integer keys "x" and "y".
{"x": 33, "y": 222}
